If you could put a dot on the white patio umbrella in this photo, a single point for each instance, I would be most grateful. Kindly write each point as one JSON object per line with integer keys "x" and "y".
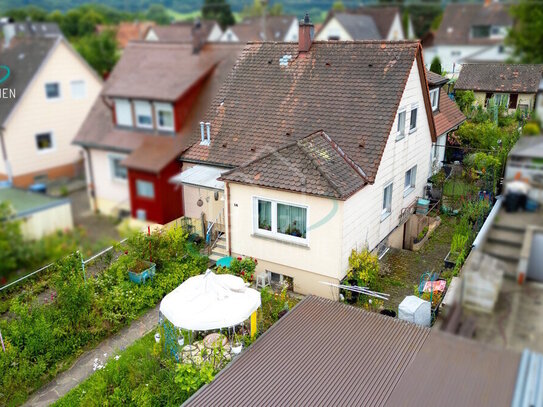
{"x": 210, "y": 301}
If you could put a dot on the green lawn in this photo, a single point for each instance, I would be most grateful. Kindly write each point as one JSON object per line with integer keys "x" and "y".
{"x": 456, "y": 188}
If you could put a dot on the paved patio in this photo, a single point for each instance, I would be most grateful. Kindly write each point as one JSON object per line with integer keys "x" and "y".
{"x": 83, "y": 366}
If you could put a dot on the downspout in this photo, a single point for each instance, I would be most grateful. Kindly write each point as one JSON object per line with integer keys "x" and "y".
{"x": 228, "y": 230}
{"x": 5, "y": 156}
{"x": 92, "y": 192}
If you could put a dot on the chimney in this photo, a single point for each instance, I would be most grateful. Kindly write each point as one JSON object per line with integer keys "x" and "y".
{"x": 202, "y": 141}
{"x": 198, "y": 36}
{"x": 208, "y": 130}
{"x": 30, "y": 27}
{"x": 306, "y": 33}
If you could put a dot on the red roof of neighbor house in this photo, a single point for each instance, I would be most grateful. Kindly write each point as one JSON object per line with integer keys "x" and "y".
{"x": 350, "y": 89}
{"x": 458, "y": 20}
{"x": 499, "y": 77}
{"x": 180, "y": 31}
{"x": 250, "y": 29}
{"x": 128, "y": 31}
{"x": 448, "y": 116}
{"x": 150, "y": 152}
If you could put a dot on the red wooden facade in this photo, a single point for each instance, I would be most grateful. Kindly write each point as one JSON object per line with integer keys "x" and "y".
{"x": 167, "y": 203}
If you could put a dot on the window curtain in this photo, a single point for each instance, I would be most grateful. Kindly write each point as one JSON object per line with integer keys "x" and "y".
{"x": 291, "y": 220}
{"x": 264, "y": 215}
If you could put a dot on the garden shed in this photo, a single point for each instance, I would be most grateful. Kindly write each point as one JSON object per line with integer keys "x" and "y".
{"x": 39, "y": 214}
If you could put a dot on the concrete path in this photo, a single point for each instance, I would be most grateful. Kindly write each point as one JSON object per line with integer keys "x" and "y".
{"x": 83, "y": 366}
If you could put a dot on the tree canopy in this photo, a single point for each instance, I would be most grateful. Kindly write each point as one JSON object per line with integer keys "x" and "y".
{"x": 218, "y": 10}
{"x": 527, "y": 36}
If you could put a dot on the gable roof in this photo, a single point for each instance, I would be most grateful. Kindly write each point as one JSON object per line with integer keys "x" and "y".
{"x": 359, "y": 26}
{"x": 496, "y": 77}
{"x": 351, "y": 89}
{"x": 458, "y": 19}
{"x": 24, "y": 57}
{"x": 159, "y": 71}
{"x": 31, "y": 29}
{"x": 326, "y": 353}
{"x": 128, "y": 31}
{"x": 250, "y": 29}
{"x": 180, "y": 31}
{"x": 378, "y": 19}
{"x": 313, "y": 165}
{"x": 148, "y": 152}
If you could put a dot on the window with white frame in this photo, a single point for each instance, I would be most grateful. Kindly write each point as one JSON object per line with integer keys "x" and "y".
{"x": 164, "y": 116}
{"x": 145, "y": 189}
{"x": 52, "y": 90}
{"x": 434, "y": 98}
{"x": 410, "y": 180}
{"x": 144, "y": 118}
{"x": 44, "y": 142}
{"x": 78, "y": 89}
{"x": 413, "y": 119}
{"x": 118, "y": 171}
{"x": 401, "y": 125}
{"x": 123, "y": 112}
{"x": 387, "y": 201}
{"x": 281, "y": 220}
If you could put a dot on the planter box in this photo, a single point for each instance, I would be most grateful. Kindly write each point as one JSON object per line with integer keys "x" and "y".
{"x": 142, "y": 277}
{"x": 417, "y": 246}
{"x": 449, "y": 261}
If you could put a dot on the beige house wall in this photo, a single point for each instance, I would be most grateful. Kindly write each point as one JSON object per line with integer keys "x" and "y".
{"x": 320, "y": 256}
{"x": 523, "y": 99}
{"x": 35, "y": 114}
{"x": 111, "y": 194}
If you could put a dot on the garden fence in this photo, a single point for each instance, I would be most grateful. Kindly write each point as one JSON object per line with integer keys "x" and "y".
{"x": 83, "y": 263}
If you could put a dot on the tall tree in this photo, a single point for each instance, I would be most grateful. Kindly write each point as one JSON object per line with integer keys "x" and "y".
{"x": 99, "y": 50}
{"x": 218, "y": 10}
{"x": 338, "y": 6}
{"x": 435, "y": 67}
{"x": 526, "y": 37}
{"x": 158, "y": 14}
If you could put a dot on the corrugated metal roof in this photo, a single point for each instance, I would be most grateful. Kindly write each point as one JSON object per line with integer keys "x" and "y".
{"x": 453, "y": 371}
{"x": 321, "y": 353}
{"x": 529, "y": 387}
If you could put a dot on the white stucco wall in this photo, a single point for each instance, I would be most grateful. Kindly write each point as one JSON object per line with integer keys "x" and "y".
{"x": 111, "y": 194}
{"x": 333, "y": 29}
{"x": 396, "y": 30}
{"x": 228, "y": 36}
{"x": 62, "y": 117}
{"x": 458, "y": 54}
{"x": 292, "y": 33}
{"x": 215, "y": 33}
{"x": 362, "y": 222}
{"x": 151, "y": 35}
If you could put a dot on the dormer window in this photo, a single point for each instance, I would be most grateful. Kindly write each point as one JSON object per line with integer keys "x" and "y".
{"x": 164, "y": 116}
{"x": 144, "y": 118}
{"x": 123, "y": 112}
{"x": 434, "y": 99}
{"x": 480, "y": 31}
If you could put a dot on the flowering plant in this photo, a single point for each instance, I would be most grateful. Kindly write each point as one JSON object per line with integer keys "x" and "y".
{"x": 244, "y": 268}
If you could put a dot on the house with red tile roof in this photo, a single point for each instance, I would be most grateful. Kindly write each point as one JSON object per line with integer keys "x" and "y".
{"x": 141, "y": 121}
{"x": 127, "y": 31}
{"x": 274, "y": 28}
{"x": 447, "y": 117}
{"x": 181, "y": 31}
{"x": 313, "y": 149}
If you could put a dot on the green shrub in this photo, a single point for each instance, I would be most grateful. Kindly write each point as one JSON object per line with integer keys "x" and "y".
{"x": 531, "y": 129}
{"x": 464, "y": 99}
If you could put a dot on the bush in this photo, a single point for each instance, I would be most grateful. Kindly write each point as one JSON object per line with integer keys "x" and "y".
{"x": 531, "y": 129}
{"x": 42, "y": 337}
{"x": 464, "y": 99}
{"x": 364, "y": 268}
{"x": 435, "y": 66}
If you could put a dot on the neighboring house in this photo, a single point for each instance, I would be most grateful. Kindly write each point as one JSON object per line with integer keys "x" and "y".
{"x": 364, "y": 23}
{"x": 39, "y": 214}
{"x": 518, "y": 86}
{"x": 318, "y": 157}
{"x": 470, "y": 33}
{"x": 136, "y": 130}
{"x": 29, "y": 28}
{"x": 275, "y": 28}
{"x": 45, "y": 99}
{"x": 182, "y": 31}
{"x": 330, "y": 354}
{"x": 127, "y": 31}
{"x": 447, "y": 117}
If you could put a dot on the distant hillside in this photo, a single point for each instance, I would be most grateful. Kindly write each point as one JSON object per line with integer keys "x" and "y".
{"x": 297, "y": 7}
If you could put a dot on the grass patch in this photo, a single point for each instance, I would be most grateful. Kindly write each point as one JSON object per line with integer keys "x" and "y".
{"x": 458, "y": 188}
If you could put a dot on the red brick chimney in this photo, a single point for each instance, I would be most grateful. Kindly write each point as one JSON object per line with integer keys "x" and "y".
{"x": 306, "y": 32}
